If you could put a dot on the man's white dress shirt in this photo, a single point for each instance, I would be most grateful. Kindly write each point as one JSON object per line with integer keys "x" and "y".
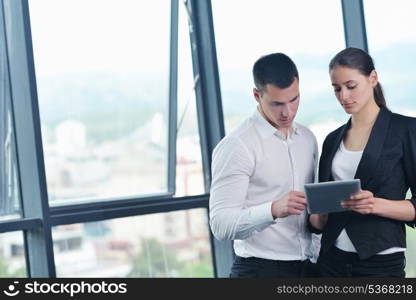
{"x": 251, "y": 167}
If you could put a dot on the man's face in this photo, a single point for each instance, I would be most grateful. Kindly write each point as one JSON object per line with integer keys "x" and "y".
{"x": 279, "y": 106}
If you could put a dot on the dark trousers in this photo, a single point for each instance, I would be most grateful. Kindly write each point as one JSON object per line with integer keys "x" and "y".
{"x": 253, "y": 267}
{"x": 338, "y": 263}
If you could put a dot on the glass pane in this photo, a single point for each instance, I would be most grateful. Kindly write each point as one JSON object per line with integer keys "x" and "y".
{"x": 392, "y": 45}
{"x": 189, "y": 176}
{"x": 9, "y": 185}
{"x": 12, "y": 255}
{"x": 410, "y": 250}
{"x": 410, "y": 253}
{"x": 310, "y": 32}
{"x": 103, "y": 94}
{"x": 174, "y": 244}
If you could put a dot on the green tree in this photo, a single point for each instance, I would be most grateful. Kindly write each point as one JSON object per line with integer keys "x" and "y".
{"x": 6, "y": 273}
{"x": 155, "y": 260}
{"x": 198, "y": 268}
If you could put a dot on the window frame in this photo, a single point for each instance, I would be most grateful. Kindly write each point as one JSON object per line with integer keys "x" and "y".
{"x": 38, "y": 216}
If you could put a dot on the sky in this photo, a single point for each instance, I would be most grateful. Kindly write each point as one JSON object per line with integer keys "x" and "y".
{"x": 389, "y": 22}
{"x": 100, "y": 35}
{"x": 133, "y": 36}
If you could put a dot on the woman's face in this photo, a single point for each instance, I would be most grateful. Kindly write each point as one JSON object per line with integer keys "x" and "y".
{"x": 353, "y": 90}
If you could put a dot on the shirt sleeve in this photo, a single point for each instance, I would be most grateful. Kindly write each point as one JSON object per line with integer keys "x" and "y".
{"x": 230, "y": 219}
{"x": 410, "y": 164}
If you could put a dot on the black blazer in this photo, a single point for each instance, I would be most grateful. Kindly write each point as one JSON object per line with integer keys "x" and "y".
{"x": 387, "y": 169}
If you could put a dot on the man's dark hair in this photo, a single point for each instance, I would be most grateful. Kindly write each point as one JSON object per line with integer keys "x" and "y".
{"x": 276, "y": 69}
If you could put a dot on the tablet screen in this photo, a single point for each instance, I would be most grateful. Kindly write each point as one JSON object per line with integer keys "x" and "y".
{"x": 326, "y": 197}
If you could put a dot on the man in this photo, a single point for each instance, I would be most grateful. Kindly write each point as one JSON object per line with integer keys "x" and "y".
{"x": 258, "y": 174}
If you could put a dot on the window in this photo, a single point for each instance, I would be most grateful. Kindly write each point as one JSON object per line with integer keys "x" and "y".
{"x": 103, "y": 88}
{"x": 189, "y": 176}
{"x": 309, "y": 33}
{"x": 9, "y": 187}
{"x": 102, "y": 81}
{"x": 392, "y": 45}
{"x": 174, "y": 244}
{"x": 12, "y": 255}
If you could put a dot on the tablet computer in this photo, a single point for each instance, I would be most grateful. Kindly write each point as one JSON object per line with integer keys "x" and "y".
{"x": 326, "y": 197}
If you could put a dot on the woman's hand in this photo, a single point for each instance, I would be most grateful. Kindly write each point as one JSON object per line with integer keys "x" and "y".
{"x": 363, "y": 202}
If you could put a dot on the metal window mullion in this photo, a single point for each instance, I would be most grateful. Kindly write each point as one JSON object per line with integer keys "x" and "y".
{"x": 20, "y": 225}
{"x": 209, "y": 107}
{"x": 173, "y": 96}
{"x": 208, "y": 94}
{"x": 38, "y": 241}
{"x": 102, "y": 213}
{"x": 116, "y": 203}
{"x": 354, "y": 24}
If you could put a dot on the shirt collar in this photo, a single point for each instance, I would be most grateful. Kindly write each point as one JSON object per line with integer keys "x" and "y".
{"x": 267, "y": 130}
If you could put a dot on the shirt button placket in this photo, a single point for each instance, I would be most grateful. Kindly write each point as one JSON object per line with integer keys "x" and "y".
{"x": 288, "y": 142}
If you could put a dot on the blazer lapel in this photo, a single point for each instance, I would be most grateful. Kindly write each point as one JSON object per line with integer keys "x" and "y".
{"x": 372, "y": 151}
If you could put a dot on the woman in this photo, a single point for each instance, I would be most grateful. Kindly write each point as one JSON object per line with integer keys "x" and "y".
{"x": 378, "y": 147}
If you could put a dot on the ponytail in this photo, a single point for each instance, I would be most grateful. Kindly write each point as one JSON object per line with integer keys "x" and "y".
{"x": 379, "y": 96}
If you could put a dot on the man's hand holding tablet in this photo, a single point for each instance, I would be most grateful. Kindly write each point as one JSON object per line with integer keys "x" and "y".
{"x": 294, "y": 203}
